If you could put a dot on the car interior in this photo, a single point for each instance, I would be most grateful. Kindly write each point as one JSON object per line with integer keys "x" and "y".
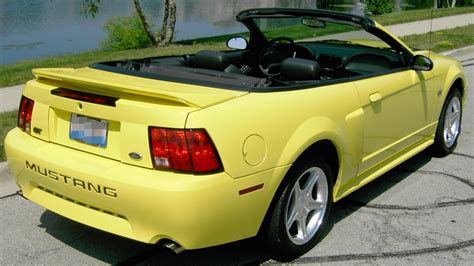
{"x": 301, "y": 63}
{"x": 275, "y": 62}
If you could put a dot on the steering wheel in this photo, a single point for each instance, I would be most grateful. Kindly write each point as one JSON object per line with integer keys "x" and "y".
{"x": 271, "y": 56}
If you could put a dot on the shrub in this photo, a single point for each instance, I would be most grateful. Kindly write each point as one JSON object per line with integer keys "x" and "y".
{"x": 379, "y": 7}
{"x": 125, "y": 33}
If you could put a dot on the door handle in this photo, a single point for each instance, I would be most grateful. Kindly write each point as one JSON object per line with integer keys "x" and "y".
{"x": 375, "y": 97}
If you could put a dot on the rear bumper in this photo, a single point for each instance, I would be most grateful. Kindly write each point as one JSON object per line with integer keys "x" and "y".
{"x": 139, "y": 203}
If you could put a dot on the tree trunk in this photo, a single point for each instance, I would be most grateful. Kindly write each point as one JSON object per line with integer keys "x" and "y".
{"x": 164, "y": 26}
{"x": 435, "y": 4}
{"x": 169, "y": 22}
{"x": 398, "y": 5}
{"x": 450, "y": 4}
{"x": 146, "y": 24}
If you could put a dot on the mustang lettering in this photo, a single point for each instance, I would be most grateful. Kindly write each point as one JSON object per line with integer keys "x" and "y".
{"x": 111, "y": 192}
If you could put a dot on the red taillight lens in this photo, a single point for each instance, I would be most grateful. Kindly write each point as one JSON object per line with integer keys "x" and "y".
{"x": 25, "y": 113}
{"x": 159, "y": 148}
{"x": 183, "y": 150}
{"x": 203, "y": 153}
{"x": 178, "y": 150}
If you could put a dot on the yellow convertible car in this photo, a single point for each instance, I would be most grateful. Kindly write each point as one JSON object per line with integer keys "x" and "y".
{"x": 204, "y": 149}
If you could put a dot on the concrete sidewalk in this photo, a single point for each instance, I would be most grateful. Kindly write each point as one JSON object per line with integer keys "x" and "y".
{"x": 423, "y": 26}
{"x": 10, "y": 98}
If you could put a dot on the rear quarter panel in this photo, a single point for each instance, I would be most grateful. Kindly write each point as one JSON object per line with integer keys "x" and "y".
{"x": 281, "y": 126}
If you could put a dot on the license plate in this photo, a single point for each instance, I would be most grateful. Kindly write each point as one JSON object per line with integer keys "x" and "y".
{"x": 88, "y": 130}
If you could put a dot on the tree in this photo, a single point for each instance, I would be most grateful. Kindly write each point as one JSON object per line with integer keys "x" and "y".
{"x": 169, "y": 22}
{"x": 450, "y": 4}
{"x": 167, "y": 29}
{"x": 398, "y": 6}
{"x": 446, "y": 3}
{"x": 145, "y": 23}
{"x": 324, "y": 4}
{"x": 379, "y": 7}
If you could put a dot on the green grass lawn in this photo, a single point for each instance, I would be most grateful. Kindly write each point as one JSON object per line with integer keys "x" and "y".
{"x": 7, "y": 122}
{"x": 443, "y": 40}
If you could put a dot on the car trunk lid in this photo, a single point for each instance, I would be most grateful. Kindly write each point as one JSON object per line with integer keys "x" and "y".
{"x": 119, "y": 130}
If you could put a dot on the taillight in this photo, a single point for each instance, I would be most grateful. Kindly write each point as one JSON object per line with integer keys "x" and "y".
{"x": 25, "y": 113}
{"x": 189, "y": 150}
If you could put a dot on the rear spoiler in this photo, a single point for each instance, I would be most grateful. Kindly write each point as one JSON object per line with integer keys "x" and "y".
{"x": 185, "y": 94}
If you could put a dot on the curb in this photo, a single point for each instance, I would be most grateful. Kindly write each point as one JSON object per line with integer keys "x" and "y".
{"x": 460, "y": 52}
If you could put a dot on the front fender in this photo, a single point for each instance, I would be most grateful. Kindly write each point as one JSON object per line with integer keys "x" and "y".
{"x": 454, "y": 72}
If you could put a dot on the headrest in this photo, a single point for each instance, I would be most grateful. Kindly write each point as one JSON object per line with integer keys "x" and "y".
{"x": 208, "y": 59}
{"x": 300, "y": 69}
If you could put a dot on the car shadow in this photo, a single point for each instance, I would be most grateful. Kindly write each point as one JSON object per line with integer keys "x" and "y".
{"x": 113, "y": 249}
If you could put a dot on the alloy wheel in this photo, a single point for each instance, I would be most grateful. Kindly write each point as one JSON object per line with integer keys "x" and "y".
{"x": 452, "y": 122}
{"x": 306, "y": 206}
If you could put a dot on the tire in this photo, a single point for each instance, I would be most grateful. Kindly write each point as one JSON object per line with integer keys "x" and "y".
{"x": 449, "y": 125}
{"x": 295, "y": 226}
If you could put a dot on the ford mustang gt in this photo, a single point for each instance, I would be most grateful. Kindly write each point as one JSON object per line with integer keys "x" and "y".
{"x": 260, "y": 139}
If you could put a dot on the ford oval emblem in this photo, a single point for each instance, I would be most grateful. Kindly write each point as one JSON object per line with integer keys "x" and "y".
{"x": 135, "y": 156}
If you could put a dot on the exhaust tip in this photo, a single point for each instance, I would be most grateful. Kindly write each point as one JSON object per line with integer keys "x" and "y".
{"x": 175, "y": 247}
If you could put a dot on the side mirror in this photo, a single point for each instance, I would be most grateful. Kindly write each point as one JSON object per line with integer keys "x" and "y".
{"x": 422, "y": 63}
{"x": 239, "y": 43}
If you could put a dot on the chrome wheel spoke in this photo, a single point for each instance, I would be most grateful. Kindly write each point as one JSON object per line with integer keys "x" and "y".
{"x": 304, "y": 231}
{"x": 298, "y": 193}
{"x": 316, "y": 205}
{"x": 448, "y": 133}
{"x": 297, "y": 206}
{"x": 455, "y": 117}
{"x": 309, "y": 186}
{"x": 292, "y": 218}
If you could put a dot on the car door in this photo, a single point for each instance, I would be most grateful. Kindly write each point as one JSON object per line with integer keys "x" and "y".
{"x": 397, "y": 112}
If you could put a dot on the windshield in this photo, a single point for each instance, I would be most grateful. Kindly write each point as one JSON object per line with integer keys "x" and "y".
{"x": 327, "y": 30}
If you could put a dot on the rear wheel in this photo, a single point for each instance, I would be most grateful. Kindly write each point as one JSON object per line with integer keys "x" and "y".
{"x": 449, "y": 125}
{"x": 302, "y": 209}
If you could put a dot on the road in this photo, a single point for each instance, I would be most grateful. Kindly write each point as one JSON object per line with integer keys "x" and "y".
{"x": 422, "y": 212}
